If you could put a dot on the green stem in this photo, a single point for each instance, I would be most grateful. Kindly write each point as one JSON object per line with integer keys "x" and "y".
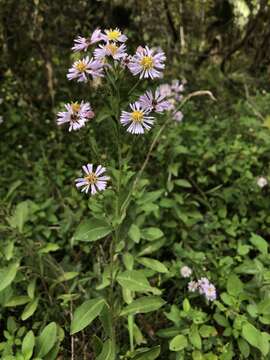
{"x": 130, "y": 330}
{"x": 134, "y": 87}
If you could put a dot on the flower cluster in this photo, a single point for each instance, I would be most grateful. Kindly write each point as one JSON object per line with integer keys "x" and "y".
{"x": 138, "y": 119}
{"x": 262, "y": 182}
{"x": 204, "y": 287}
{"x": 105, "y": 51}
{"x": 185, "y": 271}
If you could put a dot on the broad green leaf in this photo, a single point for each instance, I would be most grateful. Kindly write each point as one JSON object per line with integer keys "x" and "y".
{"x": 234, "y": 285}
{"x": 251, "y": 335}
{"x": 178, "y": 343}
{"x": 108, "y": 351}
{"x": 259, "y": 243}
{"x": 30, "y": 309}
{"x": 7, "y": 275}
{"x": 46, "y": 340}
{"x": 194, "y": 337}
{"x": 152, "y": 247}
{"x": 134, "y": 233}
{"x": 135, "y": 280}
{"x": 85, "y": 314}
{"x": 148, "y": 354}
{"x": 244, "y": 347}
{"x": 143, "y": 305}
{"x": 151, "y": 233}
{"x": 207, "y": 331}
{"x": 31, "y": 289}
{"x": 92, "y": 230}
{"x": 28, "y": 345}
{"x": 128, "y": 261}
{"x": 152, "y": 264}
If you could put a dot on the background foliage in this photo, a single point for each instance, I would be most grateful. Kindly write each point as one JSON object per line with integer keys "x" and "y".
{"x": 198, "y": 203}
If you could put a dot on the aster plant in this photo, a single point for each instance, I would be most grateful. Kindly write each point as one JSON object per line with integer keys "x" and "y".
{"x": 133, "y": 111}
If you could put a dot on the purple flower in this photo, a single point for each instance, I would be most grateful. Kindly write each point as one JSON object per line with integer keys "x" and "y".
{"x": 210, "y": 292}
{"x": 137, "y": 119}
{"x": 82, "y": 68}
{"x": 82, "y": 43}
{"x": 110, "y": 49}
{"x": 114, "y": 35}
{"x": 178, "y": 116}
{"x": 147, "y": 62}
{"x": 92, "y": 181}
{"x": 192, "y": 286}
{"x": 177, "y": 86}
{"x": 125, "y": 61}
{"x": 76, "y": 115}
{"x": 202, "y": 282}
{"x": 153, "y": 102}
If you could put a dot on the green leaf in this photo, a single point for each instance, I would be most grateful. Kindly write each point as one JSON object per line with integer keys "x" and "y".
{"x": 178, "y": 343}
{"x": 85, "y": 314}
{"x": 20, "y": 216}
{"x": 7, "y": 275}
{"x": 92, "y": 230}
{"x": 135, "y": 280}
{"x": 143, "y": 305}
{"x": 183, "y": 183}
{"x": 151, "y": 233}
{"x": 29, "y": 309}
{"x": 207, "y": 331}
{"x": 194, "y": 337}
{"x": 259, "y": 243}
{"x": 152, "y": 264}
{"x": 134, "y": 233}
{"x": 48, "y": 248}
{"x": 67, "y": 276}
{"x": 108, "y": 351}
{"x": 251, "y": 335}
{"x": 46, "y": 339}
{"x": 31, "y": 289}
{"x": 17, "y": 300}
{"x": 28, "y": 345}
{"x": 148, "y": 354}
{"x": 243, "y": 347}
{"x": 234, "y": 285}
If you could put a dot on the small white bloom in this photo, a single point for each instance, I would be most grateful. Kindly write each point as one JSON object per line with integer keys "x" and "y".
{"x": 185, "y": 271}
{"x": 262, "y": 182}
{"x": 192, "y": 286}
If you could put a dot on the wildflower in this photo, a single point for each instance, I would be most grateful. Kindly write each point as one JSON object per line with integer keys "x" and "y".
{"x": 147, "y": 63}
{"x": 210, "y": 292}
{"x": 125, "y": 60}
{"x": 178, "y": 116}
{"x": 76, "y": 115}
{"x": 262, "y": 182}
{"x": 82, "y": 43}
{"x": 81, "y": 68}
{"x": 202, "y": 282}
{"x": 177, "y": 86}
{"x": 185, "y": 271}
{"x": 110, "y": 49}
{"x": 93, "y": 180}
{"x": 165, "y": 90}
{"x": 153, "y": 102}
{"x": 192, "y": 286}
{"x": 114, "y": 35}
{"x": 137, "y": 119}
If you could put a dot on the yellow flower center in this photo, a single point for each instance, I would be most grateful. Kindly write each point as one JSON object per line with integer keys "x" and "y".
{"x": 91, "y": 178}
{"x": 147, "y": 62}
{"x": 137, "y": 116}
{"x": 81, "y": 66}
{"x": 75, "y": 107}
{"x": 112, "y": 48}
{"x": 113, "y": 35}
